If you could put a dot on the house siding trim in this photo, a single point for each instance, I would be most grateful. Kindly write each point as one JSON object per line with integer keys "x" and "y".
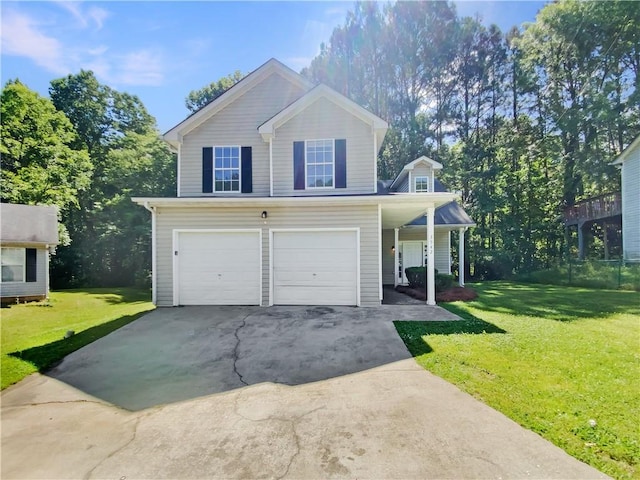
{"x": 268, "y": 128}
{"x": 310, "y": 230}
{"x": 175, "y": 247}
{"x": 174, "y": 135}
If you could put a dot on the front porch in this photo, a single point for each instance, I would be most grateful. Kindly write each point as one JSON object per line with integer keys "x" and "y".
{"x": 414, "y": 238}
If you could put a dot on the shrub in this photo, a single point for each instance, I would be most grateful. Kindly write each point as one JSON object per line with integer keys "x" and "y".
{"x": 443, "y": 282}
{"x": 493, "y": 266}
{"x": 417, "y": 277}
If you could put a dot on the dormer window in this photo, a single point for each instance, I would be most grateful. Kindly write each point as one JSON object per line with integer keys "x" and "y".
{"x": 226, "y": 169}
{"x": 320, "y": 163}
{"x": 421, "y": 184}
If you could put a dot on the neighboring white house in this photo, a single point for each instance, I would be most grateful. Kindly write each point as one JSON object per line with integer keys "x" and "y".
{"x": 629, "y": 163}
{"x": 279, "y": 202}
{"x": 29, "y": 234}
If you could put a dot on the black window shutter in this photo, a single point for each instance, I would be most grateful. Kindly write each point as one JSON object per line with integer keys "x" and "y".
{"x": 207, "y": 169}
{"x": 247, "y": 182}
{"x": 32, "y": 265}
{"x": 298, "y": 166}
{"x": 341, "y": 163}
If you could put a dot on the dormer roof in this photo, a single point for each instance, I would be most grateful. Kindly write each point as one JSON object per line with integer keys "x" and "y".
{"x": 174, "y": 136}
{"x": 268, "y": 128}
{"x": 410, "y": 166}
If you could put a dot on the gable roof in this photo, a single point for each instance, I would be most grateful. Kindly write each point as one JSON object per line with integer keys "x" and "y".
{"x": 449, "y": 215}
{"x": 174, "y": 135}
{"x": 625, "y": 153}
{"x": 28, "y": 224}
{"x": 410, "y": 166}
{"x": 268, "y": 128}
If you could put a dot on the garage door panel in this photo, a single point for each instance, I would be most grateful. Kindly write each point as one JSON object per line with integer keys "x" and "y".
{"x": 218, "y": 268}
{"x": 324, "y": 296}
{"x": 338, "y": 239}
{"x": 315, "y": 268}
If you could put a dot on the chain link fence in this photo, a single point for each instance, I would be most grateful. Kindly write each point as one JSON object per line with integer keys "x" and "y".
{"x": 607, "y": 274}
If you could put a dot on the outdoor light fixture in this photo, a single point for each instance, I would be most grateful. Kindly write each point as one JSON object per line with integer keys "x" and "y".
{"x": 393, "y": 249}
{"x": 264, "y": 214}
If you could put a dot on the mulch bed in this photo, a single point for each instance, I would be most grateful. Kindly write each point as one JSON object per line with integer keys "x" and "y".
{"x": 453, "y": 294}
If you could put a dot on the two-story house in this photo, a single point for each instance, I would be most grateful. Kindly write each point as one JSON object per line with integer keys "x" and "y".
{"x": 278, "y": 202}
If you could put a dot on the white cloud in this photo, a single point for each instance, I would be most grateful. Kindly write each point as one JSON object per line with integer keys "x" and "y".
{"x": 142, "y": 67}
{"x": 23, "y": 36}
{"x": 86, "y": 16}
{"x": 20, "y": 37}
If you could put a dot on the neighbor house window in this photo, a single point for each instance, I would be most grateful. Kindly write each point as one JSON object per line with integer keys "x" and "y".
{"x": 422, "y": 184}
{"x": 320, "y": 163}
{"x": 226, "y": 171}
{"x": 13, "y": 264}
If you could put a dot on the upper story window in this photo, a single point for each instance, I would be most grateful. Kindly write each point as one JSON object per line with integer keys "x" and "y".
{"x": 320, "y": 163}
{"x": 13, "y": 264}
{"x": 422, "y": 184}
{"x": 226, "y": 172}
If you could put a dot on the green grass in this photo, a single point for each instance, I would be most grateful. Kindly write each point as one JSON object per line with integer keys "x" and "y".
{"x": 552, "y": 359}
{"x": 33, "y": 333}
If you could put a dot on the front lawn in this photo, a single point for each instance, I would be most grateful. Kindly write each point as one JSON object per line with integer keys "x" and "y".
{"x": 33, "y": 333}
{"x": 563, "y": 362}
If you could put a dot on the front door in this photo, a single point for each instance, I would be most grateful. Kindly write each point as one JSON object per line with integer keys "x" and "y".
{"x": 412, "y": 256}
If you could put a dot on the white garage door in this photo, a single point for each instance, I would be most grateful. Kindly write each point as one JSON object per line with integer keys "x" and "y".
{"x": 218, "y": 268}
{"x": 315, "y": 268}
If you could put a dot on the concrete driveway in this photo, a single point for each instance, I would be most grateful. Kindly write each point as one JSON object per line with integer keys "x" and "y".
{"x": 283, "y": 392}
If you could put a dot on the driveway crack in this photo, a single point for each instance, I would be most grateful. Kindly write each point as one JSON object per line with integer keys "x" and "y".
{"x": 236, "y": 347}
{"x": 119, "y": 449}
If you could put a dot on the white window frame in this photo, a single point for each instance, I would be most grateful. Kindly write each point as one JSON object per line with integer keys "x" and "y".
{"x": 423, "y": 179}
{"x": 333, "y": 164}
{"x": 215, "y": 190}
{"x": 24, "y": 264}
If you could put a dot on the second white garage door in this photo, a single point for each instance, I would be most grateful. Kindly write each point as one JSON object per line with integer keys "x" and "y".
{"x": 217, "y": 268}
{"x": 315, "y": 267}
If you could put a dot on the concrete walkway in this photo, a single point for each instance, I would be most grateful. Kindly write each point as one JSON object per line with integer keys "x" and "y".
{"x": 386, "y": 418}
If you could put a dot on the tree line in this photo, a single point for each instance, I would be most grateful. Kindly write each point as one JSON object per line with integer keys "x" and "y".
{"x": 87, "y": 149}
{"x": 525, "y": 123}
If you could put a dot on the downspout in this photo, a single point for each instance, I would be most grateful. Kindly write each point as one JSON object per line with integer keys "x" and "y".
{"x": 154, "y": 295}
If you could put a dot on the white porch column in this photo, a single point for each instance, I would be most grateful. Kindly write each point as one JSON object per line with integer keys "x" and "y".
{"x": 461, "y": 257}
{"x": 431, "y": 274}
{"x": 396, "y": 256}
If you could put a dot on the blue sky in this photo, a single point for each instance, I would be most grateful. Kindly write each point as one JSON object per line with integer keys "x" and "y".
{"x": 161, "y": 51}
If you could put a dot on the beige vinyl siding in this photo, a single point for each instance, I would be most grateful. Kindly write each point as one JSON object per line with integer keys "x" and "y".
{"x": 363, "y": 217}
{"x": 631, "y": 205}
{"x": 441, "y": 244}
{"x": 387, "y": 257}
{"x": 237, "y": 124}
{"x": 39, "y": 287}
{"x": 325, "y": 120}
{"x": 421, "y": 170}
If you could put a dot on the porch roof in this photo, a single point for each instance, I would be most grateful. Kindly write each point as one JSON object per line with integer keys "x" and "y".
{"x": 398, "y": 209}
{"x": 449, "y": 215}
